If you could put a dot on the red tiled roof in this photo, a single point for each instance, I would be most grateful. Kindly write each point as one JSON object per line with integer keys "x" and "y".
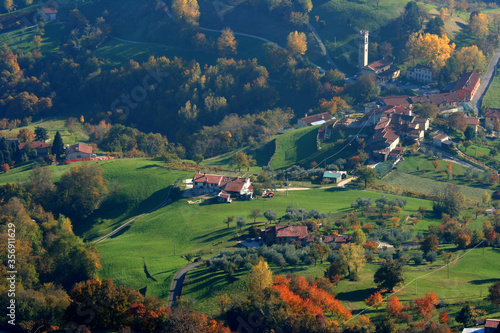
{"x": 49, "y": 11}
{"x": 382, "y": 123}
{"x": 452, "y": 97}
{"x": 468, "y": 81}
{"x": 317, "y": 117}
{"x": 204, "y": 178}
{"x": 472, "y": 120}
{"x": 80, "y": 147}
{"x": 235, "y": 186}
{"x": 421, "y": 120}
{"x": 441, "y": 137}
{"x": 299, "y": 231}
{"x": 492, "y": 323}
{"x": 343, "y": 239}
{"x": 379, "y": 64}
{"x": 401, "y": 100}
{"x": 419, "y": 99}
{"x": 36, "y": 145}
{"x": 492, "y": 113}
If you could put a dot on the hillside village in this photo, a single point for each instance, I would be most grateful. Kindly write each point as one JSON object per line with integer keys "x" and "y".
{"x": 187, "y": 166}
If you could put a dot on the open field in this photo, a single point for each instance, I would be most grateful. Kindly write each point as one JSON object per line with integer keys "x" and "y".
{"x": 199, "y": 228}
{"x": 426, "y": 185}
{"x": 491, "y": 98}
{"x": 23, "y": 38}
{"x": 469, "y": 280}
{"x": 52, "y": 126}
{"x": 294, "y": 146}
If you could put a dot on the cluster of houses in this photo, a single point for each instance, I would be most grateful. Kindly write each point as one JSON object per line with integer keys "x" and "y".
{"x": 78, "y": 152}
{"x": 223, "y": 187}
{"x": 298, "y": 234}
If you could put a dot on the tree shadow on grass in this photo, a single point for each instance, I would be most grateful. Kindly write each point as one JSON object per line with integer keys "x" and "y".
{"x": 484, "y": 281}
{"x": 356, "y": 295}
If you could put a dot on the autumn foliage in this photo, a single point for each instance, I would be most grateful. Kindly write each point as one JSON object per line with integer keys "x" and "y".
{"x": 297, "y": 42}
{"x": 425, "y": 306}
{"x": 394, "y": 307}
{"x": 434, "y": 49}
{"x": 375, "y": 300}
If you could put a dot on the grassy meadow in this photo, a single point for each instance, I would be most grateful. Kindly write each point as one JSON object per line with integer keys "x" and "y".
{"x": 491, "y": 98}
{"x": 469, "y": 280}
{"x": 199, "y": 229}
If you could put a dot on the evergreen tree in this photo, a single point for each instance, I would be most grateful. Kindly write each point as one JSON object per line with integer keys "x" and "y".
{"x": 58, "y": 146}
{"x": 41, "y": 134}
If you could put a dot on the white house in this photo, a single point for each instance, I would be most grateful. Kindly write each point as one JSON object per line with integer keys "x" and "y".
{"x": 440, "y": 139}
{"x": 49, "y": 14}
{"x": 316, "y": 119}
{"x": 419, "y": 73}
{"x": 223, "y": 187}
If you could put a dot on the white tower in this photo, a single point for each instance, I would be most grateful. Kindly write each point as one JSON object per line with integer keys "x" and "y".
{"x": 363, "y": 48}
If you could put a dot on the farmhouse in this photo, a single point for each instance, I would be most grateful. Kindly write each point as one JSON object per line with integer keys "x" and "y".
{"x": 337, "y": 240}
{"x": 491, "y": 117}
{"x": 285, "y": 234}
{"x": 467, "y": 85}
{"x": 49, "y": 14}
{"x": 223, "y": 187}
{"x": 317, "y": 119}
{"x": 334, "y": 176}
{"x": 443, "y": 101}
{"x": 419, "y": 73}
{"x": 78, "y": 152}
{"x": 41, "y": 147}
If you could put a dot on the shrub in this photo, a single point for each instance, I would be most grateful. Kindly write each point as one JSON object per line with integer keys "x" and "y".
{"x": 418, "y": 258}
{"x": 431, "y": 256}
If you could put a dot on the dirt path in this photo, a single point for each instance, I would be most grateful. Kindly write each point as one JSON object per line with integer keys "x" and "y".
{"x": 177, "y": 282}
{"x": 163, "y": 203}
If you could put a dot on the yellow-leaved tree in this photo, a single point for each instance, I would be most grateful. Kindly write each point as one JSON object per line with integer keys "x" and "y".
{"x": 187, "y": 11}
{"x": 352, "y": 257}
{"x": 297, "y": 42}
{"x": 434, "y": 49}
{"x": 259, "y": 278}
{"x": 478, "y": 25}
{"x": 226, "y": 44}
{"x": 470, "y": 59}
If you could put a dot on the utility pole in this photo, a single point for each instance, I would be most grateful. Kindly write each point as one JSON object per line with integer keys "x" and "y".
{"x": 174, "y": 245}
{"x": 287, "y": 186}
{"x": 416, "y": 286}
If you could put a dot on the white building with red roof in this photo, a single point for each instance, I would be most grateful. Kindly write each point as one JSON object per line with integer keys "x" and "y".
{"x": 49, "y": 14}
{"x": 467, "y": 85}
{"x": 222, "y": 186}
{"x": 315, "y": 119}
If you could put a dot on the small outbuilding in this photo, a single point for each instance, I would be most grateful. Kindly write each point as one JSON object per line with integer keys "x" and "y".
{"x": 49, "y": 14}
{"x": 334, "y": 176}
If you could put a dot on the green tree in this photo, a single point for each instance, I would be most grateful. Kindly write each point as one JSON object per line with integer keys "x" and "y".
{"x": 494, "y": 295}
{"x": 41, "y": 134}
{"x": 58, "y": 146}
{"x": 467, "y": 316}
{"x": 359, "y": 237}
{"x": 81, "y": 191}
{"x": 270, "y": 215}
{"x": 254, "y": 214}
{"x": 334, "y": 272}
{"x": 389, "y": 275}
{"x": 198, "y": 158}
{"x": 228, "y": 220}
{"x": 319, "y": 251}
{"x": 366, "y": 174}
{"x": 240, "y": 222}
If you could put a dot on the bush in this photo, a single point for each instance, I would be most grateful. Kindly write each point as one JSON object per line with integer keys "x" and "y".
{"x": 431, "y": 256}
{"x": 418, "y": 258}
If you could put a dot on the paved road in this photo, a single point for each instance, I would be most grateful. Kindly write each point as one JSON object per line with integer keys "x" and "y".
{"x": 486, "y": 79}
{"x": 176, "y": 287}
{"x": 323, "y": 47}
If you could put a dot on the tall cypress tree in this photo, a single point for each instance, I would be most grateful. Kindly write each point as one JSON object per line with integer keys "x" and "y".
{"x": 58, "y": 145}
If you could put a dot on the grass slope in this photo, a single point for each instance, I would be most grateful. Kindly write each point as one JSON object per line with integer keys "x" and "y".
{"x": 199, "y": 228}
{"x": 469, "y": 280}
{"x": 52, "y": 126}
{"x": 23, "y": 38}
{"x": 294, "y": 146}
{"x": 491, "y": 98}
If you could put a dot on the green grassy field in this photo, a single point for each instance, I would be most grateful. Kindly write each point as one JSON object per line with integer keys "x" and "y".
{"x": 199, "y": 228}
{"x": 469, "y": 280}
{"x": 224, "y": 160}
{"x": 52, "y": 126}
{"x": 23, "y": 38}
{"x": 427, "y": 185}
{"x": 491, "y": 98}
{"x": 294, "y": 146}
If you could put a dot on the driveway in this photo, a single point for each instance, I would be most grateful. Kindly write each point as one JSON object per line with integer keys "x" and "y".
{"x": 178, "y": 281}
